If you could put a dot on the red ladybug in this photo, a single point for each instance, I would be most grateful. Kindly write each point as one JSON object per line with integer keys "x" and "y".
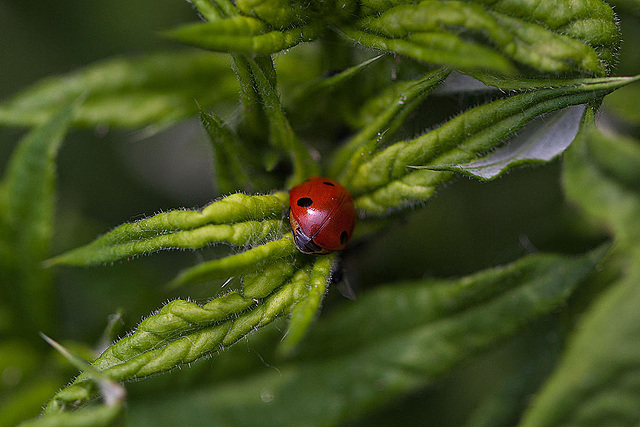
{"x": 322, "y": 215}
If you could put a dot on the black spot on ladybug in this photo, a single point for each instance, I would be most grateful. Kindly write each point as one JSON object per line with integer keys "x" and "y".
{"x": 304, "y": 202}
{"x": 328, "y": 183}
{"x": 344, "y": 236}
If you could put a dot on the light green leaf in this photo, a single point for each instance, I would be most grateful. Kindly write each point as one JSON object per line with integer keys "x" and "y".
{"x": 436, "y": 48}
{"x": 496, "y": 37}
{"x": 277, "y": 13}
{"x": 237, "y": 219}
{"x": 94, "y": 416}
{"x": 243, "y": 34}
{"x": 305, "y": 311}
{"x": 519, "y": 83}
{"x": 391, "y": 108}
{"x": 394, "y": 340}
{"x": 213, "y": 10}
{"x": 153, "y": 90}
{"x": 265, "y": 281}
{"x": 540, "y": 141}
{"x": 182, "y": 332}
{"x": 244, "y": 262}
{"x": 113, "y": 393}
{"x": 591, "y": 21}
{"x": 386, "y": 182}
{"x": 27, "y": 216}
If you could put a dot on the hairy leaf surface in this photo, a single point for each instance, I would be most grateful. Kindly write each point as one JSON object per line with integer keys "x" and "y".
{"x": 397, "y": 338}
{"x": 387, "y": 182}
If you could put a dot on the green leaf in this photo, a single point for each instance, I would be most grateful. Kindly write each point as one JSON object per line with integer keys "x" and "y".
{"x": 94, "y": 416}
{"x": 596, "y": 382}
{"x": 591, "y": 21}
{"x": 441, "y": 49}
{"x": 540, "y": 141}
{"x": 541, "y": 34}
{"x": 504, "y": 407}
{"x": 244, "y": 262}
{"x": 237, "y": 219}
{"x": 113, "y": 394}
{"x": 305, "y": 311}
{"x": 624, "y": 103}
{"x": 386, "y": 182}
{"x": 280, "y": 131}
{"x": 265, "y": 281}
{"x": 394, "y": 340}
{"x": 182, "y": 332}
{"x": 243, "y": 34}
{"x": 277, "y": 13}
{"x": 152, "y": 90}
{"x": 393, "y": 105}
{"x": 602, "y": 176}
{"x": 523, "y": 83}
{"x": 235, "y": 168}
{"x": 443, "y": 33}
{"x": 230, "y": 154}
{"x": 214, "y": 10}
{"x": 338, "y": 80}
{"x": 27, "y": 217}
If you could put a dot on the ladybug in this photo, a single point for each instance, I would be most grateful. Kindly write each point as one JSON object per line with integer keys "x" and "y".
{"x": 322, "y": 215}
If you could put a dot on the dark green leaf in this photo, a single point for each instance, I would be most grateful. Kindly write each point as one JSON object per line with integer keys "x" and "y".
{"x": 236, "y": 169}
{"x": 280, "y": 131}
{"x": 596, "y": 383}
{"x": 602, "y": 175}
{"x": 27, "y": 217}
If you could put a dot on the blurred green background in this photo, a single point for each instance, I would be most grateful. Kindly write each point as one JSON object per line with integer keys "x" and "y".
{"x": 108, "y": 177}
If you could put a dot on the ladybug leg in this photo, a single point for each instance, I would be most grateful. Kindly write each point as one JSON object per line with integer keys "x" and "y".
{"x": 345, "y": 289}
{"x": 341, "y": 281}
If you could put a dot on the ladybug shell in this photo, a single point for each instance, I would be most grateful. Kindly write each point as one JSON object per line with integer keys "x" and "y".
{"x": 322, "y": 215}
